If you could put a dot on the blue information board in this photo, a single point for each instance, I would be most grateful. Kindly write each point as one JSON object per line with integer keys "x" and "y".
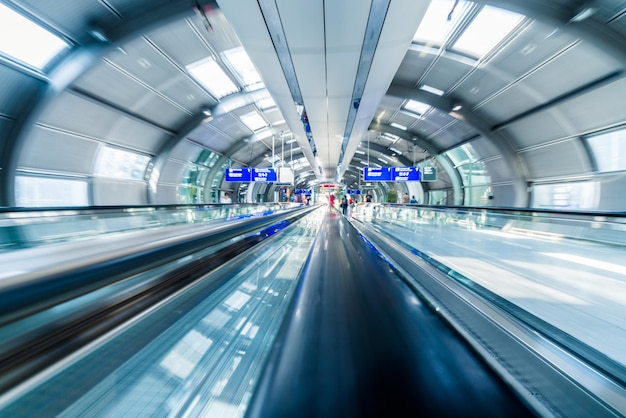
{"x": 263, "y": 174}
{"x": 376, "y": 174}
{"x": 353, "y": 191}
{"x": 405, "y": 174}
{"x": 237, "y": 174}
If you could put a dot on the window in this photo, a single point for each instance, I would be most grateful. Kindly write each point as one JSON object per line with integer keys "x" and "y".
{"x": 608, "y": 150}
{"x": 253, "y": 120}
{"x": 117, "y": 163}
{"x": 416, "y": 107}
{"x": 435, "y": 26}
{"x": 33, "y": 191}
{"x": 208, "y": 73}
{"x": 241, "y": 65}
{"x": 574, "y": 195}
{"x": 487, "y": 29}
{"x": 26, "y": 41}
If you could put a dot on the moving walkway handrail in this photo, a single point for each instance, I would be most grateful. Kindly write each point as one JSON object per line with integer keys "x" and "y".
{"x": 32, "y": 343}
{"x": 26, "y": 291}
{"x": 357, "y": 344}
{"x": 555, "y": 380}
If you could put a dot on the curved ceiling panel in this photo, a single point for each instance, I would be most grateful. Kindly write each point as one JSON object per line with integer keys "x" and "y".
{"x": 333, "y": 76}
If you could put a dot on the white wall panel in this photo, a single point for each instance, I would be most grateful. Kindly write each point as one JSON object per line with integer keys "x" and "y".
{"x": 538, "y": 129}
{"x": 612, "y": 189}
{"x": 560, "y": 159}
{"x": 108, "y": 191}
{"x": 186, "y": 151}
{"x": 499, "y": 170}
{"x": 167, "y": 194}
{"x": 56, "y": 151}
{"x": 605, "y": 106}
{"x": 172, "y": 172}
{"x": 75, "y": 114}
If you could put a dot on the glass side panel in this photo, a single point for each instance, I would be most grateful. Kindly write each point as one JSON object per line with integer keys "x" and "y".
{"x": 23, "y": 229}
{"x": 566, "y": 269}
{"x": 198, "y": 355}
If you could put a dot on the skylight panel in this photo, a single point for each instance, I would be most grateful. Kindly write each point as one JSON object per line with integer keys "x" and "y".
{"x": 117, "y": 163}
{"x": 208, "y": 73}
{"x": 242, "y": 66}
{"x": 26, "y": 41}
{"x": 416, "y": 107}
{"x": 264, "y": 133}
{"x": 435, "y": 26}
{"x": 253, "y": 120}
{"x": 266, "y": 103}
{"x": 487, "y": 29}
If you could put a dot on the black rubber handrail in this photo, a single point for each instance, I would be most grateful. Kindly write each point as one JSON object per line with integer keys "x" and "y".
{"x": 46, "y": 342}
{"x": 43, "y": 289}
{"x": 357, "y": 344}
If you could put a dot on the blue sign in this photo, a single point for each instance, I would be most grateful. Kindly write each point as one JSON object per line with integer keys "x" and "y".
{"x": 237, "y": 174}
{"x": 405, "y": 174}
{"x": 353, "y": 191}
{"x": 376, "y": 174}
{"x": 263, "y": 174}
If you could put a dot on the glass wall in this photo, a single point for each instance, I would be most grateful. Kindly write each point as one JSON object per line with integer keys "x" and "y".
{"x": 474, "y": 175}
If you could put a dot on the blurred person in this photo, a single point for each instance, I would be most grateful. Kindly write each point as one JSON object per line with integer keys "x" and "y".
{"x": 226, "y": 198}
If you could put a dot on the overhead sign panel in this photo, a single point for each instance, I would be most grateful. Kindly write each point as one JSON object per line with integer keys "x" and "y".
{"x": 391, "y": 174}
{"x": 429, "y": 173}
{"x": 405, "y": 174}
{"x": 263, "y": 174}
{"x": 376, "y": 174}
{"x": 237, "y": 174}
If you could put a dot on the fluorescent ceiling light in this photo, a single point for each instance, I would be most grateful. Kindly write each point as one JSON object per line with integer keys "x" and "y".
{"x": 487, "y": 29}
{"x": 382, "y": 160}
{"x": 389, "y": 136}
{"x": 395, "y": 150}
{"x": 416, "y": 107}
{"x": 253, "y": 120}
{"x": 242, "y": 66}
{"x": 360, "y": 152}
{"x": 432, "y": 90}
{"x": 397, "y": 125}
{"x": 26, "y": 41}
{"x": 435, "y": 26}
{"x": 208, "y": 73}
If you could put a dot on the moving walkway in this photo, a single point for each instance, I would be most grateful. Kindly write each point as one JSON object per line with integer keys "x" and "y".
{"x": 283, "y": 312}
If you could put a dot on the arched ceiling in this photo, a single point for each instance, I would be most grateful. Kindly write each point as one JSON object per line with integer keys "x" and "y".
{"x": 340, "y": 74}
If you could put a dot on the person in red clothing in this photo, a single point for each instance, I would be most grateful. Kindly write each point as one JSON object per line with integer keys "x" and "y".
{"x": 331, "y": 202}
